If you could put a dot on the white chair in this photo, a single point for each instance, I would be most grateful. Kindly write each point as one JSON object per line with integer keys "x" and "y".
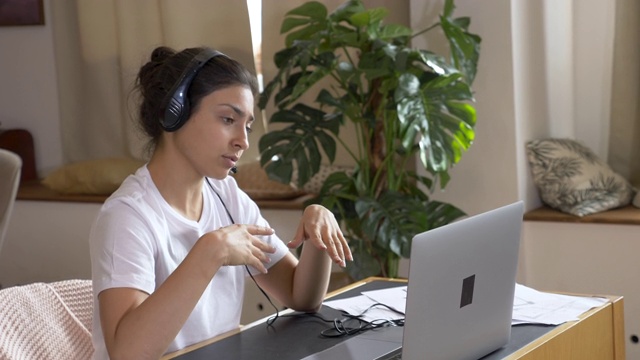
{"x": 10, "y": 167}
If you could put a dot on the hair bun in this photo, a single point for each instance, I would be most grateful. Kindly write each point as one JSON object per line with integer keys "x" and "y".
{"x": 158, "y": 57}
{"x": 160, "y": 54}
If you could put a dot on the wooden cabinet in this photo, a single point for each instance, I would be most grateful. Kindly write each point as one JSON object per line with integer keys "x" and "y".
{"x": 21, "y": 142}
{"x": 586, "y": 258}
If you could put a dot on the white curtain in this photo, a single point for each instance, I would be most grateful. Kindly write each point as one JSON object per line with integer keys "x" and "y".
{"x": 624, "y": 141}
{"x": 100, "y": 46}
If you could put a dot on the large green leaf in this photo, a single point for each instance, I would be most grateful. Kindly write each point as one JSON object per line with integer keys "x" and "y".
{"x": 299, "y": 143}
{"x": 392, "y": 31}
{"x": 465, "y": 46}
{"x": 291, "y": 23}
{"x": 433, "y": 115}
{"x": 312, "y": 9}
{"x": 391, "y": 220}
{"x": 299, "y": 71}
{"x": 309, "y": 32}
{"x": 364, "y": 263}
{"x": 338, "y": 193}
{"x": 441, "y": 214}
{"x": 372, "y": 16}
{"x": 436, "y": 62}
{"x": 346, "y": 10}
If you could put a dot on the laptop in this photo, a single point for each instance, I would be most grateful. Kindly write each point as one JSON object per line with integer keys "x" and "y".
{"x": 460, "y": 294}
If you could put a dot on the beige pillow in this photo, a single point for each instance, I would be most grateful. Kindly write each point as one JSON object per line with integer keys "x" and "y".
{"x": 94, "y": 177}
{"x": 253, "y": 180}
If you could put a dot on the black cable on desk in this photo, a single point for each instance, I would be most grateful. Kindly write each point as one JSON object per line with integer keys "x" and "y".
{"x": 352, "y": 324}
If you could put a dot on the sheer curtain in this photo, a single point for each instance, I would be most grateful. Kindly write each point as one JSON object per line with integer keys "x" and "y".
{"x": 624, "y": 140}
{"x": 101, "y": 44}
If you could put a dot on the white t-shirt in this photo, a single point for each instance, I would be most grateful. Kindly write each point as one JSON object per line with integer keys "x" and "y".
{"x": 138, "y": 240}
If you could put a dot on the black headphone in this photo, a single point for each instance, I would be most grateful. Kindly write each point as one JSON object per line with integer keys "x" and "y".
{"x": 177, "y": 108}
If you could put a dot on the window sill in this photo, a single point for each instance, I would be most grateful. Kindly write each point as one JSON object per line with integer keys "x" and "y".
{"x": 35, "y": 191}
{"x": 628, "y": 215}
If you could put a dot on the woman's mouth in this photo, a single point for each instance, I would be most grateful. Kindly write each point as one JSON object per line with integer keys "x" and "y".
{"x": 230, "y": 161}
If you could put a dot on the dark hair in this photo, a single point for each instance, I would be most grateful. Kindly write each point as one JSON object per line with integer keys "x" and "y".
{"x": 158, "y": 76}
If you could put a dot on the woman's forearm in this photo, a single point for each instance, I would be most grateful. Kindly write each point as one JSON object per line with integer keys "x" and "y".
{"x": 311, "y": 278}
{"x": 146, "y": 330}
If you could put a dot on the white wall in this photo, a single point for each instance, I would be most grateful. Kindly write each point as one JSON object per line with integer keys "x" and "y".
{"x": 28, "y": 89}
{"x": 47, "y": 241}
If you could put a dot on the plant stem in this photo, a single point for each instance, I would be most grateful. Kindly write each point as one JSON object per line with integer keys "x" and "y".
{"x": 426, "y": 30}
{"x": 392, "y": 265}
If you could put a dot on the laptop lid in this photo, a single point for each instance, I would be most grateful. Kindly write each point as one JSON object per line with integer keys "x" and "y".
{"x": 460, "y": 292}
{"x": 462, "y": 280}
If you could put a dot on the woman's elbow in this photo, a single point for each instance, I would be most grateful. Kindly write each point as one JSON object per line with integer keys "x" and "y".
{"x": 308, "y": 306}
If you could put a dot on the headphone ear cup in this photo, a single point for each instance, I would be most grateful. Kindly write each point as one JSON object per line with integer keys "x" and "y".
{"x": 177, "y": 108}
{"x": 176, "y": 112}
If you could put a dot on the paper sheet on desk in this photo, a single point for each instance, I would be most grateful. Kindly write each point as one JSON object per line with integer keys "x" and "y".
{"x": 534, "y": 307}
{"x": 529, "y": 306}
{"x": 395, "y": 298}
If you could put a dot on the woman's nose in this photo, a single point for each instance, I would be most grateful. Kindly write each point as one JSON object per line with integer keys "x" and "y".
{"x": 242, "y": 139}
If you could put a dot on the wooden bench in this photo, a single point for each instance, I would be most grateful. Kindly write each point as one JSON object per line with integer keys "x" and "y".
{"x": 36, "y": 191}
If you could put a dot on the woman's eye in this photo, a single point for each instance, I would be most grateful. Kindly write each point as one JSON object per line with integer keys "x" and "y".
{"x": 249, "y": 129}
{"x": 228, "y": 120}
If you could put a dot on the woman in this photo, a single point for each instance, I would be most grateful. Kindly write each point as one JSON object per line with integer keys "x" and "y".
{"x": 172, "y": 247}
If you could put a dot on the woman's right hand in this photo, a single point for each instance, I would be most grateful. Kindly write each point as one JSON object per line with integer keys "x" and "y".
{"x": 240, "y": 244}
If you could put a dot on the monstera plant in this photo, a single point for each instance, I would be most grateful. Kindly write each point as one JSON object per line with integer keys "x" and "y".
{"x": 411, "y": 108}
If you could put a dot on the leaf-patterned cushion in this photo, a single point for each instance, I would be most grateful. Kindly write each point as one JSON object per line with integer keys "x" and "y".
{"x": 314, "y": 184}
{"x": 572, "y": 179}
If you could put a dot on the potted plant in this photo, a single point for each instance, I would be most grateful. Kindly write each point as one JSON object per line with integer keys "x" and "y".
{"x": 405, "y": 104}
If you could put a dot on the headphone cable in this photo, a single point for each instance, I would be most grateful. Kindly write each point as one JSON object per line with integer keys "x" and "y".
{"x": 273, "y": 318}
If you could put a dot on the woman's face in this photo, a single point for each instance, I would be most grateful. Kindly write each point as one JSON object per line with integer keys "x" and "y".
{"x": 216, "y": 134}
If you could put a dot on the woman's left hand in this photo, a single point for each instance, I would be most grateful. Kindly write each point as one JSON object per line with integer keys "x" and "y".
{"x": 319, "y": 226}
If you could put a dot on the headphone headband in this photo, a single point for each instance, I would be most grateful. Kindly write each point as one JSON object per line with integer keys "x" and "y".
{"x": 177, "y": 107}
